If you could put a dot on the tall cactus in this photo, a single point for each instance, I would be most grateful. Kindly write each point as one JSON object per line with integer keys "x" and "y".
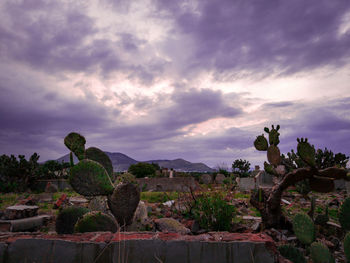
{"x": 344, "y": 214}
{"x": 321, "y": 180}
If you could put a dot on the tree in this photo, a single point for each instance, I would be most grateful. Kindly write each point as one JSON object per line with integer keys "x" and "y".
{"x": 241, "y": 167}
{"x": 141, "y": 169}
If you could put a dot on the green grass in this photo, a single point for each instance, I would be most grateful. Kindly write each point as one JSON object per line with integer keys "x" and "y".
{"x": 7, "y": 200}
{"x": 158, "y": 197}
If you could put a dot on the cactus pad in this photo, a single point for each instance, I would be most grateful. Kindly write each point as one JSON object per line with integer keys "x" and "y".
{"x": 347, "y": 246}
{"x": 306, "y": 152}
{"x": 344, "y": 214}
{"x": 68, "y": 217}
{"x": 274, "y": 136}
{"x": 96, "y": 221}
{"x": 274, "y": 155}
{"x": 99, "y": 156}
{"x": 319, "y": 253}
{"x": 89, "y": 178}
{"x": 292, "y": 253}
{"x": 76, "y": 143}
{"x": 123, "y": 202}
{"x": 260, "y": 143}
{"x": 304, "y": 228}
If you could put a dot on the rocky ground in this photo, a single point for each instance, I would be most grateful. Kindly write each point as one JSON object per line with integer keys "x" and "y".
{"x": 159, "y": 206}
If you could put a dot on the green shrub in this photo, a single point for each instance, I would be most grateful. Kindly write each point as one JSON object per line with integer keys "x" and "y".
{"x": 141, "y": 170}
{"x": 67, "y": 218}
{"x": 213, "y": 213}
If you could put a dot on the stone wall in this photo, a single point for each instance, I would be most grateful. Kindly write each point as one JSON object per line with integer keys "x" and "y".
{"x": 137, "y": 247}
{"x": 61, "y": 184}
{"x": 164, "y": 184}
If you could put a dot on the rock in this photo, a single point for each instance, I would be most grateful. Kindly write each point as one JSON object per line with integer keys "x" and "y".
{"x": 21, "y": 211}
{"x": 75, "y": 200}
{"x": 256, "y": 226}
{"x": 24, "y": 224}
{"x": 281, "y": 170}
{"x": 45, "y": 198}
{"x": 141, "y": 214}
{"x": 171, "y": 225}
{"x": 98, "y": 203}
{"x": 28, "y": 201}
{"x": 206, "y": 179}
{"x": 123, "y": 202}
{"x": 219, "y": 179}
{"x": 96, "y": 221}
{"x": 51, "y": 188}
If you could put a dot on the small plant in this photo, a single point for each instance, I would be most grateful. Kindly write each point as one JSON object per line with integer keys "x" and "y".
{"x": 67, "y": 218}
{"x": 319, "y": 253}
{"x": 304, "y": 228}
{"x": 213, "y": 213}
{"x": 292, "y": 253}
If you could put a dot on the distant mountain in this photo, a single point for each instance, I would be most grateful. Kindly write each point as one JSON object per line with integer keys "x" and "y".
{"x": 182, "y": 165}
{"x": 121, "y": 162}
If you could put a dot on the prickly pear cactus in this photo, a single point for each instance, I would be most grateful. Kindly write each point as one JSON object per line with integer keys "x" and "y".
{"x": 319, "y": 253}
{"x": 306, "y": 152}
{"x": 344, "y": 214}
{"x": 273, "y": 135}
{"x": 260, "y": 143}
{"x": 68, "y": 217}
{"x": 274, "y": 155}
{"x": 99, "y": 156}
{"x": 89, "y": 178}
{"x": 76, "y": 143}
{"x": 292, "y": 253}
{"x": 96, "y": 221}
{"x": 304, "y": 228}
{"x": 347, "y": 246}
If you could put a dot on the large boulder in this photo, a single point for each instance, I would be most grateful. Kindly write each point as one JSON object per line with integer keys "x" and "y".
{"x": 89, "y": 178}
{"x": 98, "y": 203}
{"x": 171, "y": 225}
{"x": 206, "y": 179}
{"x": 123, "y": 202}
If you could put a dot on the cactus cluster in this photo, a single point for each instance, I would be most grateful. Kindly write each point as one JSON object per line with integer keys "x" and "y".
{"x": 92, "y": 177}
{"x": 306, "y": 152}
{"x": 273, "y": 152}
{"x": 304, "y": 228}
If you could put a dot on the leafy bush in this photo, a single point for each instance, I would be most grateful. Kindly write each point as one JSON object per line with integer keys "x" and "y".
{"x": 17, "y": 174}
{"x": 141, "y": 170}
{"x": 241, "y": 167}
{"x": 213, "y": 213}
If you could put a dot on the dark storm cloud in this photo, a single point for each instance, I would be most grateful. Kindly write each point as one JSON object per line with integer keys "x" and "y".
{"x": 196, "y": 106}
{"x": 263, "y": 37}
{"x": 325, "y": 125}
{"x": 54, "y": 37}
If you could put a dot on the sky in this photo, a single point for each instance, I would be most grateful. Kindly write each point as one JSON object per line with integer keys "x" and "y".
{"x": 161, "y": 79}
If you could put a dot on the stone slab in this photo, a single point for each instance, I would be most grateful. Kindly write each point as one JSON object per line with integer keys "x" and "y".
{"x": 23, "y": 224}
{"x": 21, "y": 211}
{"x": 247, "y": 183}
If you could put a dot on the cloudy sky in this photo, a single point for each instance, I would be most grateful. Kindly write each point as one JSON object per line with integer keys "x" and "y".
{"x": 166, "y": 79}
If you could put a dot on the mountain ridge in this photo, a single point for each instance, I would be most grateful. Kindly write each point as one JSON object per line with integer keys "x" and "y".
{"x": 121, "y": 162}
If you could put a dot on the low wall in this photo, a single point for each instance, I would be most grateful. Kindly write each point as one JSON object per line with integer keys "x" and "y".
{"x": 165, "y": 184}
{"x": 137, "y": 247}
{"x": 61, "y": 184}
